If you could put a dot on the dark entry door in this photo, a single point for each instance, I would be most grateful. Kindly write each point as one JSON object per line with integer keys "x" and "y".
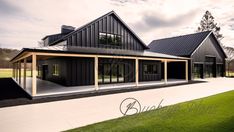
{"x": 198, "y": 70}
{"x": 210, "y": 67}
{"x": 44, "y": 71}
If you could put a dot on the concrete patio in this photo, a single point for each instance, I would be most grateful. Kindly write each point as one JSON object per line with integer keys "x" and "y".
{"x": 48, "y": 88}
{"x": 67, "y": 114}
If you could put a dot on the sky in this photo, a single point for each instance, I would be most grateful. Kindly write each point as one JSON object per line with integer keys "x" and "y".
{"x": 23, "y": 23}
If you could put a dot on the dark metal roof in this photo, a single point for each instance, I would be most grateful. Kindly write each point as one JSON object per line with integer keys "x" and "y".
{"x": 99, "y": 51}
{"x": 58, "y": 34}
{"x": 180, "y": 45}
{"x": 109, "y": 13}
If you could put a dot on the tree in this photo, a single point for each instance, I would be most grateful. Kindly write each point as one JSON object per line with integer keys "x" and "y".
{"x": 230, "y": 56}
{"x": 207, "y": 24}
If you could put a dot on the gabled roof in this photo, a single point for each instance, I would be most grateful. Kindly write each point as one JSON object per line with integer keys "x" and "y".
{"x": 109, "y": 13}
{"x": 181, "y": 45}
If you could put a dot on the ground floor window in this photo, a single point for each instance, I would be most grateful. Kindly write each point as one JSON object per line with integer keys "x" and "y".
{"x": 209, "y": 70}
{"x": 219, "y": 70}
{"x": 197, "y": 70}
{"x": 150, "y": 69}
{"x": 55, "y": 70}
{"x": 110, "y": 73}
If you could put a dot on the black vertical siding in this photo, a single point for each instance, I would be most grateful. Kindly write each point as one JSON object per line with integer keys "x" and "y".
{"x": 208, "y": 48}
{"x": 211, "y": 49}
{"x": 88, "y": 35}
{"x": 62, "y": 77}
{"x": 81, "y": 71}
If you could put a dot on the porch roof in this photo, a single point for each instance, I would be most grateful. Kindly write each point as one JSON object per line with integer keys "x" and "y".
{"x": 96, "y": 51}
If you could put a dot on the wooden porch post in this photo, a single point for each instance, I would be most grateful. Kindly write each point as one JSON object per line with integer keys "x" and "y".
{"x": 19, "y": 72}
{"x": 96, "y": 73}
{"x": 34, "y": 78}
{"x": 16, "y": 70}
{"x": 137, "y": 71}
{"x": 186, "y": 70}
{"x": 13, "y": 71}
{"x": 165, "y": 71}
{"x": 25, "y": 65}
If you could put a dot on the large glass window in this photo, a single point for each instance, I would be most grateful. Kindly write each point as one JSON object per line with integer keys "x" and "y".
{"x": 219, "y": 70}
{"x": 109, "y": 39}
{"x": 197, "y": 70}
{"x": 150, "y": 69}
{"x": 55, "y": 70}
{"x": 106, "y": 73}
{"x": 110, "y": 73}
{"x": 120, "y": 73}
{"x": 209, "y": 70}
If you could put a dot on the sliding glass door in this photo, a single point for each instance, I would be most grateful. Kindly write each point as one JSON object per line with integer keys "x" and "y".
{"x": 110, "y": 73}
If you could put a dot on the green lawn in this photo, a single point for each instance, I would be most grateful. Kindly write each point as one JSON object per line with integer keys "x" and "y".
{"x": 230, "y": 73}
{"x": 5, "y": 73}
{"x": 214, "y": 113}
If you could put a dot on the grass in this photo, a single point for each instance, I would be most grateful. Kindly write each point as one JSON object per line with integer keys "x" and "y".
{"x": 6, "y": 73}
{"x": 230, "y": 73}
{"x": 214, "y": 113}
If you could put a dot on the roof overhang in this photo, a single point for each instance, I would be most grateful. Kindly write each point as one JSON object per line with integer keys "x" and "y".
{"x": 61, "y": 51}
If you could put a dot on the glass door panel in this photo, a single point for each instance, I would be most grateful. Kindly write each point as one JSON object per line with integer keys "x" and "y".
{"x": 121, "y": 73}
{"x": 114, "y": 73}
{"x": 106, "y": 75}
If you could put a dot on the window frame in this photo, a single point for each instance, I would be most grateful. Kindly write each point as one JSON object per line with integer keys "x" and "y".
{"x": 150, "y": 69}
{"x": 55, "y": 70}
{"x": 110, "y": 36}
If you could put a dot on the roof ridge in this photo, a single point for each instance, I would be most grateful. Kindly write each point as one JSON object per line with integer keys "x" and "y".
{"x": 182, "y": 35}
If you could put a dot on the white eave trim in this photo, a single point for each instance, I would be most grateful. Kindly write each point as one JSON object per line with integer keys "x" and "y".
{"x": 201, "y": 44}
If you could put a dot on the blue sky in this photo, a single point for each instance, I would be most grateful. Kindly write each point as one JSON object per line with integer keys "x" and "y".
{"x": 24, "y": 22}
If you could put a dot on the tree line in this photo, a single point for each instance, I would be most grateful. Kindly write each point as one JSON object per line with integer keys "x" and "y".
{"x": 5, "y": 56}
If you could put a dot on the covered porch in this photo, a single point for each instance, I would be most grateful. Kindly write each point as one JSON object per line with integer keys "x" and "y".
{"x": 48, "y": 88}
{"x": 27, "y": 61}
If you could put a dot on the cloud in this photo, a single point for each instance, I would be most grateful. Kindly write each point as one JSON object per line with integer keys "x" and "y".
{"x": 6, "y": 8}
{"x": 124, "y": 2}
{"x": 151, "y": 20}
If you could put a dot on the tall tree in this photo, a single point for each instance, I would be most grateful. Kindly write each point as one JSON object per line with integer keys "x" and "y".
{"x": 230, "y": 57}
{"x": 208, "y": 24}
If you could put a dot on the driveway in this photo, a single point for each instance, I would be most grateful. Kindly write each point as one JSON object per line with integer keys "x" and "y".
{"x": 67, "y": 114}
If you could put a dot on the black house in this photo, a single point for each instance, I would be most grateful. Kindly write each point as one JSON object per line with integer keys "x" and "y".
{"x": 104, "y": 51}
{"x": 205, "y": 51}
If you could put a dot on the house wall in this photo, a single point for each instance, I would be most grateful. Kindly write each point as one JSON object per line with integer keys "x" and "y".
{"x": 176, "y": 70}
{"x": 209, "y": 48}
{"x": 62, "y": 77}
{"x": 129, "y": 67}
{"x": 88, "y": 36}
{"x": 80, "y": 71}
{"x": 149, "y": 77}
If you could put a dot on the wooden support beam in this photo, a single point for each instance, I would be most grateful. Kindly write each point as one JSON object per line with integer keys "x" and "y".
{"x": 137, "y": 71}
{"x": 22, "y": 57}
{"x": 16, "y": 71}
{"x": 186, "y": 70}
{"x": 34, "y": 78}
{"x": 165, "y": 71}
{"x": 25, "y": 66}
{"x": 96, "y": 73}
{"x": 19, "y": 72}
{"x": 13, "y": 71}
